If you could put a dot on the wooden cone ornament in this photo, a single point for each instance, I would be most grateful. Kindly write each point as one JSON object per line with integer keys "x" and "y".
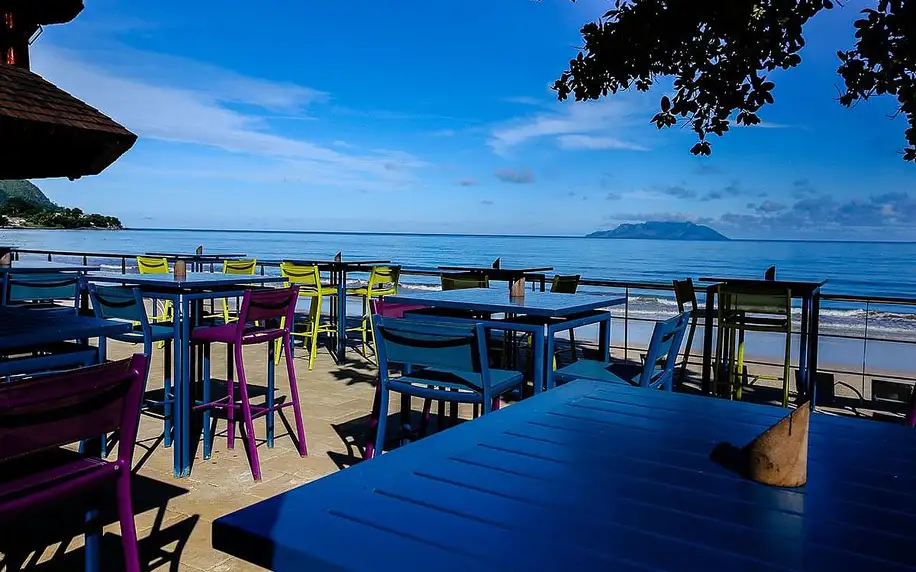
{"x": 779, "y": 456}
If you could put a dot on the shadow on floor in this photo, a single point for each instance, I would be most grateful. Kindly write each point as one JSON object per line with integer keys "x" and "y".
{"x": 46, "y": 539}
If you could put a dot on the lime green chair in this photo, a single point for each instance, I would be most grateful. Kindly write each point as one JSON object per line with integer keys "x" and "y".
{"x": 750, "y": 309}
{"x": 383, "y": 281}
{"x": 462, "y": 280}
{"x": 308, "y": 278}
{"x": 245, "y": 267}
{"x": 165, "y": 309}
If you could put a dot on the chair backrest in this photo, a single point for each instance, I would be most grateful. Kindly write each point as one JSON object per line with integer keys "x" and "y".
{"x": 380, "y": 307}
{"x": 755, "y": 299}
{"x": 384, "y": 279}
{"x": 118, "y": 303}
{"x": 308, "y": 277}
{"x": 463, "y": 280}
{"x": 35, "y": 288}
{"x": 245, "y": 267}
{"x": 685, "y": 294}
{"x": 49, "y": 411}
{"x": 267, "y": 303}
{"x": 152, "y": 265}
{"x": 770, "y": 274}
{"x": 661, "y": 357}
{"x": 429, "y": 344}
{"x": 565, "y": 284}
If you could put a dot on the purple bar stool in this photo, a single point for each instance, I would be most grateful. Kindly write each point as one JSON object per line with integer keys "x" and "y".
{"x": 260, "y": 308}
{"x": 39, "y": 415}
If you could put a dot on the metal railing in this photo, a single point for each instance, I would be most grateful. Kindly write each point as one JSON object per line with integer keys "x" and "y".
{"x": 628, "y": 289}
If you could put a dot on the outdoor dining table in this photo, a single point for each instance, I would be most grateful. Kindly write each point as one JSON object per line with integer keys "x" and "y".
{"x": 338, "y": 270}
{"x": 556, "y": 312}
{"x": 186, "y": 294}
{"x": 597, "y": 476}
{"x": 810, "y": 294}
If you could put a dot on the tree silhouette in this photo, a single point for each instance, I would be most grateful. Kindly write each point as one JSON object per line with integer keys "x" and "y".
{"x": 720, "y": 52}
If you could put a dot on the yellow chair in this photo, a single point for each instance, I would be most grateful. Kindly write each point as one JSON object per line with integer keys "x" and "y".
{"x": 245, "y": 267}
{"x": 383, "y": 281}
{"x": 308, "y": 278}
{"x": 166, "y": 310}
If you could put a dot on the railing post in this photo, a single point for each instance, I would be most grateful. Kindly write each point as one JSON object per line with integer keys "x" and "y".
{"x": 123, "y": 265}
{"x": 85, "y": 260}
{"x": 865, "y": 346}
{"x": 49, "y": 257}
{"x": 626, "y": 323}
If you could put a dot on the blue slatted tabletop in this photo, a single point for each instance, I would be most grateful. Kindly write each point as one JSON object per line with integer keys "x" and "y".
{"x": 27, "y": 327}
{"x": 542, "y": 304}
{"x": 592, "y": 476}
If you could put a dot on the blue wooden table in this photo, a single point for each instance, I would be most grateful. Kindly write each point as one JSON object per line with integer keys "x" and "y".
{"x": 184, "y": 293}
{"x": 44, "y": 266}
{"x": 574, "y": 310}
{"x": 592, "y": 476}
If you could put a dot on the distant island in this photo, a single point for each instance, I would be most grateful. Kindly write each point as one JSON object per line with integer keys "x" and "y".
{"x": 661, "y": 230}
{"x": 24, "y": 205}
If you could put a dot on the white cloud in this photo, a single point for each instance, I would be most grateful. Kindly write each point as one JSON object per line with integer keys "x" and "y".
{"x": 591, "y": 123}
{"x": 198, "y": 104}
{"x": 595, "y": 142}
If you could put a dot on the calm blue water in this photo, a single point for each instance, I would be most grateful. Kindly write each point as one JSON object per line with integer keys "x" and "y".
{"x": 885, "y": 269}
{"x": 851, "y": 267}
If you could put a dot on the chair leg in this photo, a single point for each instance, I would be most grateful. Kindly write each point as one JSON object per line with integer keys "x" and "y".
{"x": 247, "y": 418}
{"x": 278, "y": 344}
{"x": 382, "y": 420}
{"x": 207, "y": 416}
{"x": 270, "y": 417}
{"x": 372, "y": 433}
{"x": 496, "y": 403}
{"x": 739, "y": 370}
{"x": 294, "y": 394}
{"x": 315, "y": 322}
{"x": 787, "y": 372}
{"x": 690, "y": 334}
{"x": 363, "y": 325}
{"x": 126, "y": 518}
{"x": 572, "y": 345}
{"x": 230, "y": 391}
{"x": 424, "y": 419}
{"x": 167, "y": 394}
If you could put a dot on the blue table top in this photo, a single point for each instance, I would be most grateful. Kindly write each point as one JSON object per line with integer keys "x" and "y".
{"x": 494, "y": 300}
{"x": 193, "y": 281}
{"x": 23, "y": 327}
{"x": 593, "y": 476}
{"x": 41, "y": 266}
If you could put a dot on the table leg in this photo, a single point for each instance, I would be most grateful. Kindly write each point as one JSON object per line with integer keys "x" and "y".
{"x": 803, "y": 348}
{"x": 271, "y": 385}
{"x": 707, "y": 338}
{"x": 175, "y": 408}
{"x": 604, "y": 337}
{"x": 538, "y": 374}
{"x": 184, "y": 388}
{"x": 93, "y": 548}
{"x": 342, "y": 317}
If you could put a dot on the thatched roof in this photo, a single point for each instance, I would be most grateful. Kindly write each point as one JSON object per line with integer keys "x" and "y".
{"x": 46, "y": 132}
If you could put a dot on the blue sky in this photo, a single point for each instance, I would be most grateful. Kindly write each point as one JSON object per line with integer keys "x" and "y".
{"x": 437, "y": 117}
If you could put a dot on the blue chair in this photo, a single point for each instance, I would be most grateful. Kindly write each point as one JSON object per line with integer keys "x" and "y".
{"x": 657, "y": 370}
{"x": 439, "y": 362}
{"x": 126, "y": 304}
{"x": 43, "y": 290}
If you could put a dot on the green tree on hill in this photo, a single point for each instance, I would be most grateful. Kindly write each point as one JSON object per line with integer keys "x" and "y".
{"x": 24, "y": 201}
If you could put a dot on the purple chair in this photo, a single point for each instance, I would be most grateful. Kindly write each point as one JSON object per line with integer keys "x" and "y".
{"x": 262, "y": 307}
{"x": 39, "y": 415}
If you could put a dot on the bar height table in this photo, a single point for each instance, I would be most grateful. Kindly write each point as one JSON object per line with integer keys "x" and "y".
{"x": 810, "y": 294}
{"x": 501, "y": 274}
{"x": 182, "y": 293}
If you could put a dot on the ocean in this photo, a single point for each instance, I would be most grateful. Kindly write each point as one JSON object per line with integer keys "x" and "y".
{"x": 853, "y": 268}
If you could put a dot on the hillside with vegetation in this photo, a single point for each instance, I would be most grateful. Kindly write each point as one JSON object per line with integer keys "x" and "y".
{"x": 24, "y": 205}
